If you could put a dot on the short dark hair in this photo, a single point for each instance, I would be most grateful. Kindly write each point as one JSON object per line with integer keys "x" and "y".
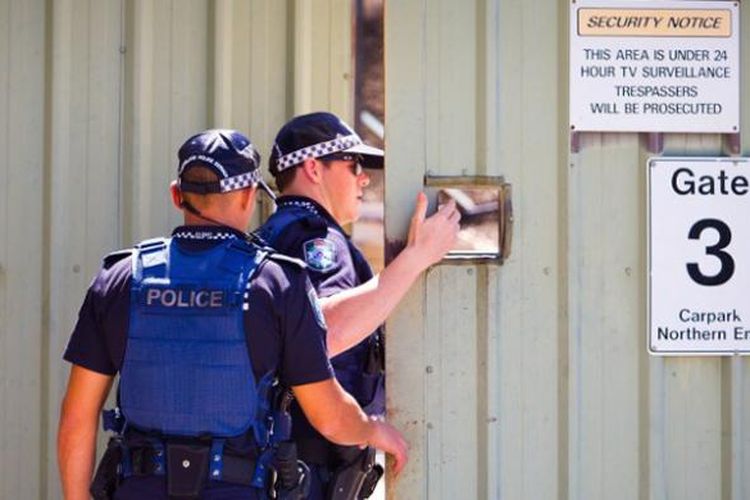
{"x": 286, "y": 177}
{"x": 199, "y": 173}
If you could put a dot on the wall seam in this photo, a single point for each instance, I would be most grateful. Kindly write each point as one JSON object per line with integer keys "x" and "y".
{"x": 563, "y": 169}
{"x": 46, "y": 419}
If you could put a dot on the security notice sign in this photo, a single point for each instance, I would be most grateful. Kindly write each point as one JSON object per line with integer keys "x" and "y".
{"x": 699, "y": 255}
{"x": 654, "y": 66}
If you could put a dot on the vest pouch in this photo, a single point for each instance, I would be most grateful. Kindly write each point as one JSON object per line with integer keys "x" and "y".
{"x": 187, "y": 470}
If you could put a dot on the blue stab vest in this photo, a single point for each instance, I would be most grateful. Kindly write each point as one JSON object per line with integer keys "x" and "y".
{"x": 187, "y": 370}
{"x": 367, "y": 388}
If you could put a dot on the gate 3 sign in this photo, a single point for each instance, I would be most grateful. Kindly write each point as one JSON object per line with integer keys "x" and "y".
{"x": 699, "y": 255}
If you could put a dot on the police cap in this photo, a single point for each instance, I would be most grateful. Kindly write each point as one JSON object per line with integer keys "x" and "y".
{"x": 228, "y": 153}
{"x": 319, "y": 135}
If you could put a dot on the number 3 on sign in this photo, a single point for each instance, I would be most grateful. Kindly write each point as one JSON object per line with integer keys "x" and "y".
{"x": 717, "y": 250}
{"x": 698, "y": 249}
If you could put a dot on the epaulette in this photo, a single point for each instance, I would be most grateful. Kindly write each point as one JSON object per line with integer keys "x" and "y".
{"x": 314, "y": 221}
{"x": 311, "y": 220}
{"x": 280, "y": 257}
{"x": 116, "y": 256}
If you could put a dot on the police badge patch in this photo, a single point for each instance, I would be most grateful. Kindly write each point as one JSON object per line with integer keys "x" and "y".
{"x": 320, "y": 254}
{"x": 319, "y": 318}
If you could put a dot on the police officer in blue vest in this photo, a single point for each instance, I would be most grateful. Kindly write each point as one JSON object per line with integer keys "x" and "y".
{"x": 317, "y": 161}
{"x": 207, "y": 329}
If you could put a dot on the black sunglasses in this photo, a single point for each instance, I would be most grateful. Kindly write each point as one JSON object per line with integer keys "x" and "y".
{"x": 355, "y": 167}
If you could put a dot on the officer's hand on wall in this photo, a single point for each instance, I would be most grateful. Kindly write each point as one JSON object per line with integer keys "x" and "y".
{"x": 387, "y": 438}
{"x": 430, "y": 239}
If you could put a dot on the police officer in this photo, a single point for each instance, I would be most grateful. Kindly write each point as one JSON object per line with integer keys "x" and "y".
{"x": 317, "y": 161}
{"x": 202, "y": 327}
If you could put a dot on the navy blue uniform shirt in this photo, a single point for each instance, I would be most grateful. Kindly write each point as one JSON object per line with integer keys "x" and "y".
{"x": 344, "y": 268}
{"x": 334, "y": 265}
{"x": 282, "y": 331}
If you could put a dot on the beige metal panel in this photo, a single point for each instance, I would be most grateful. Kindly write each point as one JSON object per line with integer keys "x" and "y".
{"x": 740, "y": 430}
{"x": 532, "y": 325}
{"x": 21, "y": 247}
{"x": 490, "y": 409}
{"x": 166, "y": 100}
{"x": 271, "y": 97}
{"x": 294, "y": 58}
{"x": 405, "y": 385}
{"x": 322, "y": 57}
{"x": 271, "y": 92}
{"x": 691, "y": 428}
{"x": 490, "y": 337}
{"x": 84, "y": 174}
{"x": 490, "y": 280}
{"x": 251, "y": 86}
{"x": 451, "y": 96}
{"x": 270, "y": 102}
{"x": 231, "y": 80}
{"x": 452, "y": 354}
{"x": 250, "y": 68}
{"x": 606, "y": 287}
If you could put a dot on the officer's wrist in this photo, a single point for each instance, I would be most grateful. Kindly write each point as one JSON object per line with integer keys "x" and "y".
{"x": 413, "y": 260}
{"x": 373, "y": 429}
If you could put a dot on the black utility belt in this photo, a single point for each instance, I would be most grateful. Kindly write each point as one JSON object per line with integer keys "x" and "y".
{"x": 190, "y": 459}
{"x": 188, "y": 467}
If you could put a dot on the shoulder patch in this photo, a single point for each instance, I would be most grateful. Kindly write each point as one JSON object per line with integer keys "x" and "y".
{"x": 320, "y": 254}
{"x": 114, "y": 257}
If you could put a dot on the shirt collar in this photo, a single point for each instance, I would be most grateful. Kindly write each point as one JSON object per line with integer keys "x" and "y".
{"x": 205, "y": 233}
{"x": 308, "y": 204}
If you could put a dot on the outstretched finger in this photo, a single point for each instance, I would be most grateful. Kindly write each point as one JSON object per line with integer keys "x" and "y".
{"x": 418, "y": 217}
{"x": 420, "y": 211}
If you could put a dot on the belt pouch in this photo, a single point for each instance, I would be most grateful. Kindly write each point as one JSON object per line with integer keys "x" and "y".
{"x": 107, "y": 477}
{"x": 187, "y": 470}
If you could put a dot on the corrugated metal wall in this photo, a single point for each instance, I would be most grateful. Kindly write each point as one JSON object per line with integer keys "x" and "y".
{"x": 532, "y": 380}
{"x": 95, "y": 98}
{"x": 526, "y": 381}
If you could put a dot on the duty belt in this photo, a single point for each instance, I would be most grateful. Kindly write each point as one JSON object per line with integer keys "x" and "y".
{"x": 238, "y": 470}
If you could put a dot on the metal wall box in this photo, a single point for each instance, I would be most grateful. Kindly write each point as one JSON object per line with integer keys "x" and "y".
{"x": 486, "y": 210}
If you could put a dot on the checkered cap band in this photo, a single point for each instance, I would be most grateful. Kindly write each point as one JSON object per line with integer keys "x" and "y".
{"x": 240, "y": 181}
{"x": 318, "y": 150}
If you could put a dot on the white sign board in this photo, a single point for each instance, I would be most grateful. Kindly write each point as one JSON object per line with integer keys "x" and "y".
{"x": 699, "y": 255}
{"x": 654, "y": 66}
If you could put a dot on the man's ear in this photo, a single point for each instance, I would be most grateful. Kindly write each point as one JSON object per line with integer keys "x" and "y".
{"x": 312, "y": 170}
{"x": 174, "y": 190}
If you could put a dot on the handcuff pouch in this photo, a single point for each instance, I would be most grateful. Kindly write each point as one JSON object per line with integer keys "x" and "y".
{"x": 187, "y": 470}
